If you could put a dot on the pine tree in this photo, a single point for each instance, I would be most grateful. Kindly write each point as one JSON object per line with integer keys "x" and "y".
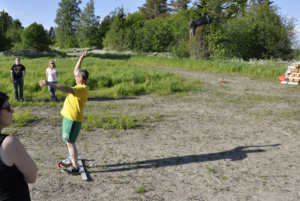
{"x": 178, "y": 5}
{"x": 154, "y": 8}
{"x": 67, "y": 18}
{"x": 88, "y": 27}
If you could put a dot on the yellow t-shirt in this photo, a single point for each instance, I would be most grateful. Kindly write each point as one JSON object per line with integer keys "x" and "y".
{"x": 74, "y": 103}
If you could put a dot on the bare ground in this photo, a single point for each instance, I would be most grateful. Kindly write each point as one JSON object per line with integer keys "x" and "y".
{"x": 237, "y": 140}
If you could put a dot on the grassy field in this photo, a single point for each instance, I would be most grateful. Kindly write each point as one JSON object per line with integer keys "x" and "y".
{"x": 109, "y": 77}
{"x": 179, "y": 138}
{"x": 119, "y": 76}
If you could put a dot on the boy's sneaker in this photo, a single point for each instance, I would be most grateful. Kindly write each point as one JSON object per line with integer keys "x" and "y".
{"x": 71, "y": 170}
{"x": 67, "y": 162}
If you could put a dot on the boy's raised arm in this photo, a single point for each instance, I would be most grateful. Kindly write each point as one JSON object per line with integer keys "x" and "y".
{"x": 78, "y": 64}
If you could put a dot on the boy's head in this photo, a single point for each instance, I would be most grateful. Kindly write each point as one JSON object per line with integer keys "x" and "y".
{"x": 83, "y": 73}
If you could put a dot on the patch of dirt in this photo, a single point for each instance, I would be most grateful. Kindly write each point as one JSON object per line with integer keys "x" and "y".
{"x": 233, "y": 140}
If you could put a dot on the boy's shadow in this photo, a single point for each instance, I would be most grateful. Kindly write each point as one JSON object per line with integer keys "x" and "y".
{"x": 238, "y": 153}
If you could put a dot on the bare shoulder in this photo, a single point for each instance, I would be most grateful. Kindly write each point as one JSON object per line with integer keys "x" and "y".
{"x": 11, "y": 142}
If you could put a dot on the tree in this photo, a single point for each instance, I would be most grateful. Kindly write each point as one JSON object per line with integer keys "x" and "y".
{"x": 5, "y": 21}
{"x": 221, "y": 10}
{"x": 260, "y": 34}
{"x": 35, "y": 37}
{"x": 51, "y": 35}
{"x": 114, "y": 38}
{"x": 178, "y": 5}
{"x": 180, "y": 31}
{"x": 88, "y": 34}
{"x": 14, "y": 32}
{"x": 2, "y": 41}
{"x": 155, "y": 36}
{"x": 134, "y": 22}
{"x": 154, "y": 8}
{"x": 67, "y": 18}
{"x": 104, "y": 28}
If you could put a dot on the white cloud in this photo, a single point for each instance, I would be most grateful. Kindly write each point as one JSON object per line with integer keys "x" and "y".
{"x": 15, "y": 14}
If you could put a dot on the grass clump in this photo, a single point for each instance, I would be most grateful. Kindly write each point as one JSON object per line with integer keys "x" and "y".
{"x": 22, "y": 119}
{"x": 211, "y": 170}
{"x": 108, "y": 121}
{"x": 120, "y": 121}
{"x": 140, "y": 190}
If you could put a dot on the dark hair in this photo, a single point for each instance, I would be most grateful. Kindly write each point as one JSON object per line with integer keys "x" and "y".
{"x": 83, "y": 73}
{"x": 3, "y": 98}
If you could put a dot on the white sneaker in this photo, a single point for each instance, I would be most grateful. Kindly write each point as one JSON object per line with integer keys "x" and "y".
{"x": 67, "y": 162}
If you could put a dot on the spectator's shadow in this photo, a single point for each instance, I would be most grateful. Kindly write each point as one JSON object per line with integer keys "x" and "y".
{"x": 238, "y": 153}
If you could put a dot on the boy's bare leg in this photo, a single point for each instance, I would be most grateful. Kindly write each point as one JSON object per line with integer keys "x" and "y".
{"x": 73, "y": 153}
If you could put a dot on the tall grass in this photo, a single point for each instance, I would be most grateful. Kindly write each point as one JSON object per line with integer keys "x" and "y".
{"x": 114, "y": 76}
{"x": 258, "y": 69}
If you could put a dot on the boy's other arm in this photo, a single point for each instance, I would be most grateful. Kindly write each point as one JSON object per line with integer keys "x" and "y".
{"x": 57, "y": 86}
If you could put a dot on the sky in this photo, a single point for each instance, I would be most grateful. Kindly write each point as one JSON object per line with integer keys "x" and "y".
{"x": 44, "y": 11}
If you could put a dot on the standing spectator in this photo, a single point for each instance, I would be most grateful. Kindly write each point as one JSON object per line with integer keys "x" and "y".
{"x": 51, "y": 74}
{"x": 16, "y": 166}
{"x": 18, "y": 72}
{"x": 72, "y": 112}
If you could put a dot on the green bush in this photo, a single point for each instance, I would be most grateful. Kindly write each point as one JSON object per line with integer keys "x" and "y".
{"x": 35, "y": 37}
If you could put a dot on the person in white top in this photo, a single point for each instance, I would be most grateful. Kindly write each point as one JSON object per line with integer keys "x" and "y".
{"x": 51, "y": 74}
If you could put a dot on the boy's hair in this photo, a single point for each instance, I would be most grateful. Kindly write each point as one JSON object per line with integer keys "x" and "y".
{"x": 83, "y": 73}
{"x": 3, "y": 98}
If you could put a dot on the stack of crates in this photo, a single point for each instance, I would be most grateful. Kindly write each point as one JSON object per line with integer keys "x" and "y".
{"x": 293, "y": 74}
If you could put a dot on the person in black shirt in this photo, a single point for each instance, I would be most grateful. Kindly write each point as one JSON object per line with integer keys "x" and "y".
{"x": 18, "y": 72}
{"x": 16, "y": 166}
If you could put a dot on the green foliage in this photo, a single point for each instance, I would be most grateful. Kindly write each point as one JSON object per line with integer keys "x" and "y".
{"x": 35, "y": 37}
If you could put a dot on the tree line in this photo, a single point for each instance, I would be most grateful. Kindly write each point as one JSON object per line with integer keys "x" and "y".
{"x": 240, "y": 29}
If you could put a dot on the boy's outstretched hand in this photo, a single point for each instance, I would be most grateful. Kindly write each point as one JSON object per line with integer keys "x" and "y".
{"x": 43, "y": 83}
{"x": 84, "y": 53}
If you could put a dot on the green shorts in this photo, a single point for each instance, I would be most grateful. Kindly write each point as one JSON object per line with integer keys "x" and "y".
{"x": 70, "y": 130}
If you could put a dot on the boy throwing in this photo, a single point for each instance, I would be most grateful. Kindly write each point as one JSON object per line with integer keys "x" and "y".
{"x": 72, "y": 112}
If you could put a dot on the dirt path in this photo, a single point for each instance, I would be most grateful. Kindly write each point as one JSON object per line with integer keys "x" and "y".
{"x": 231, "y": 141}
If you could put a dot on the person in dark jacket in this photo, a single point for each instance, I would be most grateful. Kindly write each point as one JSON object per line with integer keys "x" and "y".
{"x": 17, "y": 168}
{"x": 18, "y": 72}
